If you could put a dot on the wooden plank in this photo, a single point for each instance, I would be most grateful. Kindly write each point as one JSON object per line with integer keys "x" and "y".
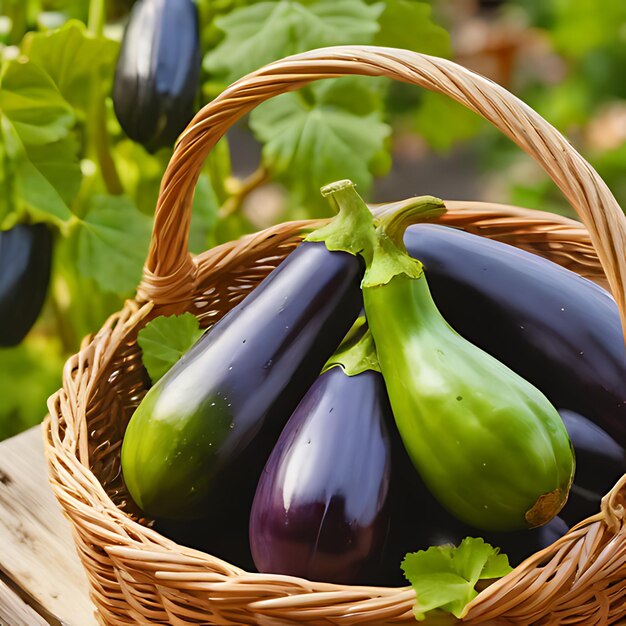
{"x": 37, "y": 553}
{"x": 15, "y": 612}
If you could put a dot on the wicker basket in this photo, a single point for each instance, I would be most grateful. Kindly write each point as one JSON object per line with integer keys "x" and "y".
{"x": 139, "y": 577}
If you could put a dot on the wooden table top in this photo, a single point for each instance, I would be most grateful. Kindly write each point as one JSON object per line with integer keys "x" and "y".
{"x": 41, "y": 578}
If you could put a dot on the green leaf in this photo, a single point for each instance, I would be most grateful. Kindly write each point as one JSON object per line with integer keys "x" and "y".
{"x": 39, "y": 143}
{"x": 444, "y": 577}
{"x": 165, "y": 339}
{"x": 264, "y": 32}
{"x": 113, "y": 241}
{"x": 31, "y": 101}
{"x": 442, "y": 122}
{"x": 58, "y": 164}
{"x": 332, "y": 134}
{"x": 73, "y": 58}
{"x": 7, "y": 178}
{"x": 408, "y": 24}
{"x": 45, "y": 178}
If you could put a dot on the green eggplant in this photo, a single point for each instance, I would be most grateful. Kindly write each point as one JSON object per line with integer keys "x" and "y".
{"x": 488, "y": 445}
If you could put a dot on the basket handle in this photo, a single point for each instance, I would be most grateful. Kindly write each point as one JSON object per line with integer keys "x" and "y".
{"x": 169, "y": 273}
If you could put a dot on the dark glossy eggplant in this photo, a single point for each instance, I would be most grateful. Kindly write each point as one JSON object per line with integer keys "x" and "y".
{"x": 208, "y": 426}
{"x": 600, "y": 460}
{"x": 25, "y": 260}
{"x": 559, "y": 331}
{"x": 600, "y": 463}
{"x": 320, "y": 510}
{"x": 157, "y": 72}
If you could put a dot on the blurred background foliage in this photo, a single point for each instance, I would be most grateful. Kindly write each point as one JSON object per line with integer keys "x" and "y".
{"x": 65, "y": 160}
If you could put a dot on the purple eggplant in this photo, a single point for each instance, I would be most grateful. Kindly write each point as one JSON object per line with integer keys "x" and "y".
{"x": 600, "y": 462}
{"x": 157, "y": 72}
{"x": 556, "y": 329}
{"x": 207, "y": 427}
{"x": 25, "y": 261}
{"x": 320, "y": 509}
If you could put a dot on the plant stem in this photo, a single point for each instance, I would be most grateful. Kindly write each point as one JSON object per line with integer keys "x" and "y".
{"x": 101, "y": 144}
{"x": 96, "y": 18}
{"x": 98, "y": 132}
{"x": 242, "y": 190}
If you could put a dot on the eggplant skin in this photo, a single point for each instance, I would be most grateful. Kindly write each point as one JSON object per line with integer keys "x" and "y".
{"x": 600, "y": 460}
{"x": 205, "y": 430}
{"x": 600, "y": 463}
{"x": 157, "y": 71}
{"x": 559, "y": 331}
{"x": 320, "y": 509}
{"x": 25, "y": 261}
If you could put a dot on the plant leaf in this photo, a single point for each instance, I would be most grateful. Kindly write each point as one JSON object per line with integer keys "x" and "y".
{"x": 408, "y": 24}
{"x": 332, "y": 134}
{"x": 264, "y": 32}
{"x": 113, "y": 243}
{"x": 73, "y": 58}
{"x": 165, "y": 339}
{"x": 33, "y": 104}
{"x": 45, "y": 178}
{"x": 444, "y": 577}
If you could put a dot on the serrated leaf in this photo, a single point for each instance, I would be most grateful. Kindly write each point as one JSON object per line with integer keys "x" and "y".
{"x": 444, "y": 577}
{"x": 73, "y": 58}
{"x": 113, "y": 241}
{"x": 45, "y": 178}
{"x": 58, "y": 164}
{"x": 267, "y": 31}
{"x": 325, "y": 137}
{"x": 30, "y": 100}
{"x": 408, "y": 24}
{"x": 164, "y": 340}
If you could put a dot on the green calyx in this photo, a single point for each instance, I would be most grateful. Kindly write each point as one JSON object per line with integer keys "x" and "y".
{"x": 378, "y": 240}
{"x": 352, "y": 230}
{"x": 357, "y": 352}
{"x": 389, "y": 256}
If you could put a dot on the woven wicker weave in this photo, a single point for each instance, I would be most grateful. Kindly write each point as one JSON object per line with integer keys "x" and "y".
{"x": 139, "y": 577}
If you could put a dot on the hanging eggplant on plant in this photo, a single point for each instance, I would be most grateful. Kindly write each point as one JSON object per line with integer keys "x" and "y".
{"x": 25, "y": 261}
{"x": 320, "y": 509}
{"x": 488, "y": 444}
{"x": 157, "y": 72}
{"x": 556, "y": 329}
